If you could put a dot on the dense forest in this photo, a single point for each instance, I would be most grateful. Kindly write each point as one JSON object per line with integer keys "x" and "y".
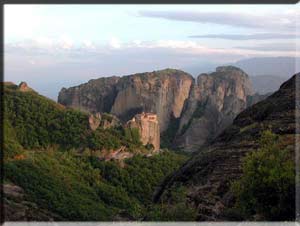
{"x": 48, "y": 151}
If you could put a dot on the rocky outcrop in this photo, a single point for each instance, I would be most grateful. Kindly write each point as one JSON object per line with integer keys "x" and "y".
{"x": 109, "y": 121}
{"x": 148, "y": 127}
{"x": 97, "y": 95}
{"x": 161, "y": 92}
{"x": 23, "y": 87}
{"x": 94, "y": 121}
{"x": 212, "y": 105}
{"x": 17, "y": 208}
{"x": 207, "y": 175}
{"x": 104, "y": 120}
{"x": 119, "y": 154}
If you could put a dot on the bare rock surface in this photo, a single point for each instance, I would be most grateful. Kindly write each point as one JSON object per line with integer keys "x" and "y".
{"x": 161, "y": 92}
{"x": 23, "y": 87}
{"x": 148, "y": 127}
{"x": 17, "y": 208}
{"x": 213, "y": 104}
{"x": 203, "y": 107}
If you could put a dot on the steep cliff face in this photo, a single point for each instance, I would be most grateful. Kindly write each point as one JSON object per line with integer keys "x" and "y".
{"x": 207, "y": 175}
{"x": 148, "y": 127}
{"x": 202, "y": 109}
{"x": 213, "y": 103}
{"x": 97, "y": 95}
{"x": 161, "y": 92}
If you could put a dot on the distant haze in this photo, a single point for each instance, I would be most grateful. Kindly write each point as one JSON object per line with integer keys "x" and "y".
{"x": 55, "y": 46}
{"x": 267, "y": 73}
{"x": 276, "y": 66}
{"x": 264, "y": 84}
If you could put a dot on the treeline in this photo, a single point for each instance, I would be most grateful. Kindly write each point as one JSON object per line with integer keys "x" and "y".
{"x": 36, "y": 122}
{"x": 42, "y": 155}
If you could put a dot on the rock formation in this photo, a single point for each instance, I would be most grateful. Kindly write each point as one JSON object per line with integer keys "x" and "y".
{"x": 109, "y": 121}
{"x": 95, "y": 96}
{"x": 161, "y": 92}
{"x": 207, "y": 175}
{"x": 212, "y": 105}
{"x": 119, "y": 154}
{"x": 104, "y": 120}
{"x": 202, "y": 108}
{"x": 94, "y": 121}
{"x": 148, "y": 127}
{"x": 17, "y": 208}
{"x": 24, "y": 87}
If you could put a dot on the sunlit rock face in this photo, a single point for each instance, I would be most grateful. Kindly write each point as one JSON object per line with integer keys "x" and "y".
{"x": 212, "y": 105}
{"x": 97, "y": 95}
{"x": 202, "y": 107}
{"x": 94, "y": 121}
{"x": 161, "y": 92}
{"x": 148, "y": 126}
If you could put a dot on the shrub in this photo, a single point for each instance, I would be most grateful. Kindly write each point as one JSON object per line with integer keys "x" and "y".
{"x": 267, "y": 186}
{"x": 175, "y": 209}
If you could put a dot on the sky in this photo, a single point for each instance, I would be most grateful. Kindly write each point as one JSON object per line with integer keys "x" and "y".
{"x": 55, "y": 46}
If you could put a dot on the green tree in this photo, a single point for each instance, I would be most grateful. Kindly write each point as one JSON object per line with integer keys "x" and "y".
{"x": 267, "y": 186}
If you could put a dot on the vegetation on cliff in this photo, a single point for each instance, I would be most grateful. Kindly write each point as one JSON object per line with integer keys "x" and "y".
{"x": 267, "y": 188}
{"x": 42, "y": 149}
{"x": 76, "y": 188}
{"x": 43, "y": 155}
{"x": 34, "y": 121}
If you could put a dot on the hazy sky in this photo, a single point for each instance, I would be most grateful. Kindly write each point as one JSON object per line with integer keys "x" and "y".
{"x": 51, "y": 46}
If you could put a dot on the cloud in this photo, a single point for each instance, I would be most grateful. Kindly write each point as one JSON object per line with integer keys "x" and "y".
{"x": 88, "y": 44}
{"x": 64, "y": 48}
{"x": 115, "y": 43}
{"x": 258, "y": 36}
{"x": 45, "y": 61}
{"x": 44, "y": 45}
{"x": 128, "y": 57}
{"x": 65, "y": 42}
{"x": 283, "y": 21}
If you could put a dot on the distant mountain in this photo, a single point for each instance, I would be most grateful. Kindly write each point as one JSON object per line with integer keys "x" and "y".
{"x": 275, "y": 66}
{"x": 201, "y": 67}
{"x": 266, "y": 73}
{"x": 264, "y": 84}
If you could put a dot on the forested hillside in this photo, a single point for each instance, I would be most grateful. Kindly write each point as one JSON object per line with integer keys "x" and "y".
{"x": 51, "y": 171}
